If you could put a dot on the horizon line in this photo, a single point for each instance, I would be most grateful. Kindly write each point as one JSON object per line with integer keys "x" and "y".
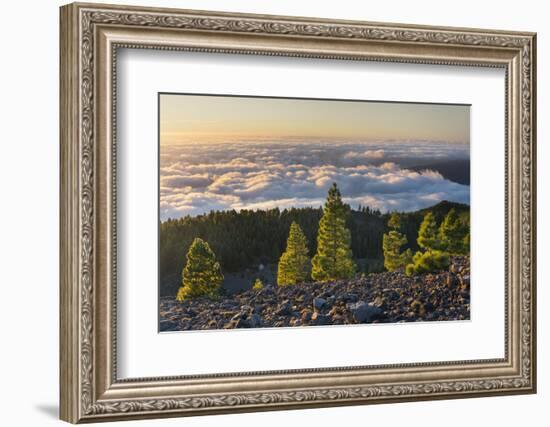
{"x": 227, "y": 137}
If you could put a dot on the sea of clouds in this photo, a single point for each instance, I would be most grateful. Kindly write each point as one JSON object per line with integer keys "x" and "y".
{"x": 199, "y": 177}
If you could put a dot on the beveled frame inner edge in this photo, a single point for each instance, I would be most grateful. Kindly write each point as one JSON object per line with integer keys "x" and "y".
{"x": 496, "y": 61}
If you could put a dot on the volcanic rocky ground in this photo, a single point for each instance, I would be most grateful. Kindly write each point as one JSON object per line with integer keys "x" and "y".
{"x": 377, "y": 298}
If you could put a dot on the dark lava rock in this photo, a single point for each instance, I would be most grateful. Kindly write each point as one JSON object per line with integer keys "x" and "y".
{"x": 362, "y": 312}
{"x": 378, "y": 302}
{"x": 350, "y": 297}
{"x": 255, "y": 321}
{"x": 306, "y": 315}
{"x": 283, "y": 309}
{"x": 318, "y": 303}
{"x": 320, "y": 319}
{"x": 381, "y": 297}
{"x": 168, "y": 325}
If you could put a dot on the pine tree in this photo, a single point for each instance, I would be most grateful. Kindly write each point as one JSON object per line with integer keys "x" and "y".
{"x": 395, "y": 222}
{"x": 466, "y": 243}
{"x": 334, "y": 258}
{"x": 465, "y": 218}
{"x": 258, "y": 285}
{"x": 452, "y": 233}
{"x": 451, "y": 237}
{"x": 392, "y": 243}
{"x": 202, "y": 274}
{"x": 428, "y": 234}
{"x": 426, "y": 262}
{"x": 294, "y": 264}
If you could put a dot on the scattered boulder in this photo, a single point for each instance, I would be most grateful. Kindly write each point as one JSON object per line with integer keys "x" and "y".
{"x": 306, "y": 315}
{"x": 378, "y": 302}
{"x": 284, "y": 308}
{"x": 319, "y": 303}
{"x": 350, "y": 297}
{"x": 168, "y": 325}
{"x": 255, "y": 321}
{"x": 319, "y": 319}
{"x": 246, "y": 309}
{"x": 451, "y": 280}
{"x": 417, "y": 308}
{"x": 363, "y": 312}
{"x": 387, "y": 297}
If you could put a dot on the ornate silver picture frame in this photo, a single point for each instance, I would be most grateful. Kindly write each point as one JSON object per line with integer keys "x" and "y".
{"x": 91, "y": 36}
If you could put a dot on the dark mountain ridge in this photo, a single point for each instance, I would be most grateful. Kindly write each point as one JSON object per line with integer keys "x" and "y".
{"x": 457, "y": 170}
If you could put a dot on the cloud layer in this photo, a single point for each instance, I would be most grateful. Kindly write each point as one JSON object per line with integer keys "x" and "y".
{"x": 198, "y": 178}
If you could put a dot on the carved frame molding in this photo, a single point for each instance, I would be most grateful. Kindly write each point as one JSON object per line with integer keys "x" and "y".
{"x": 90, "y": 36}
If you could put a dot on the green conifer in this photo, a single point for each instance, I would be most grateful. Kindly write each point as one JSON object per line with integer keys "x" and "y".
{"x": 334, "y": 258}
{"x": 294, "y": 264}
{"x": 452, "y": 232}
{"x": 428, "y": 234}
{"x": 426, "y": 262}
{"x": 258, "y": 285}
{"x": 394, "y": 222}
{"x": 202, "y": 274}
{"x": 393, "y": 257}
{"x": 392, "y": 243}
{"x": 466, "y": 243}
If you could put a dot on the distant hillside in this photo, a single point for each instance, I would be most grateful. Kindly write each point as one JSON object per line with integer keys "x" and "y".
{"x": 442, "y": 208}
{"x": 244, "y": 240}
{"x": 453, "y": 170}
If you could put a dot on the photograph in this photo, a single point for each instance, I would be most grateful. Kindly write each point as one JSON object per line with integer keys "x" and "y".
{"x": 295, "y": 212}
{"x": 268, "y": 211}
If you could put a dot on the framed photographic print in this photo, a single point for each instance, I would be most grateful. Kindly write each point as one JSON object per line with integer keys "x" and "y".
{"x": 265, "y": 212}
{"x": 243, "y": 183}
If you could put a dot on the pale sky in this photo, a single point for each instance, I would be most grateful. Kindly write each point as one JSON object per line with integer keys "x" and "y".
{"x": 186, "y": 118}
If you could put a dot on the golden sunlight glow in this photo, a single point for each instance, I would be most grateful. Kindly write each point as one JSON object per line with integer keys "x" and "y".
{"x": 203, "y": 118}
